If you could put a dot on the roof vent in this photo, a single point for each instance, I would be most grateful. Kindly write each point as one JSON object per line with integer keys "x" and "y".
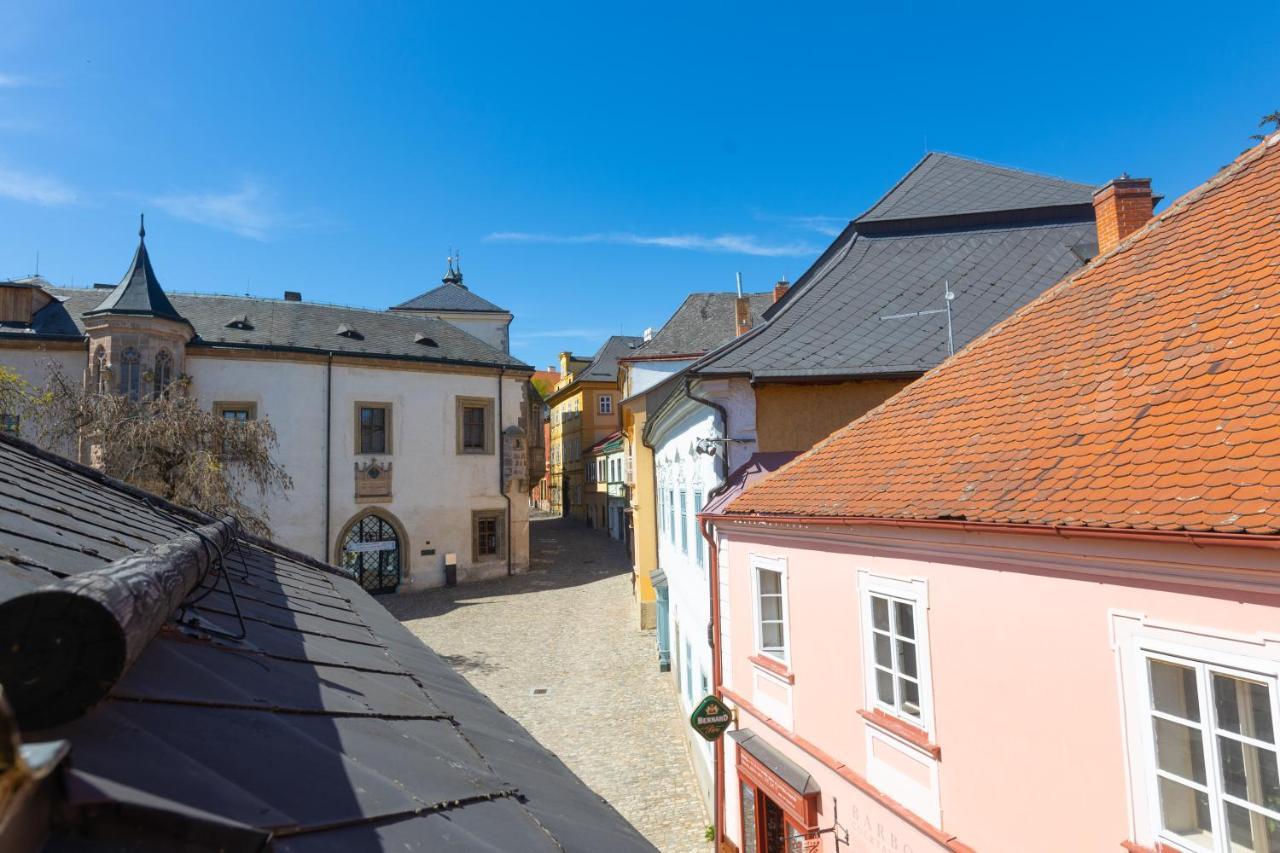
{"x": 426, "y": 341}
{"x": 240, "y": 321}
{"x": 97, "y": 285}
{"x": 293, "y": 296}
{"x": 350, "y": 332}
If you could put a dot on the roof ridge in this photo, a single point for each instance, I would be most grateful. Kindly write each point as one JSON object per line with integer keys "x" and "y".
{"x": 895, "y": 186}
{"x": 994, "y": 165}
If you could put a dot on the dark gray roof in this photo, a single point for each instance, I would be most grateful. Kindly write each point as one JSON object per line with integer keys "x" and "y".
{"x": 703, "y": 322}
{"x": 139, "y": 292}
{"x": 961, "y": 222}
{"x": 944, "y": 185}
{"x": 329, "y": 726}
{"x": 833, "y": 326}
{"x": 604, "y": 364}
{"x": 278, "y": 324}
{"x": 448, "y": 297}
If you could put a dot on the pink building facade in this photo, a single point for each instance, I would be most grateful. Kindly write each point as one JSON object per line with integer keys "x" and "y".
{"x": 945, "y": 688}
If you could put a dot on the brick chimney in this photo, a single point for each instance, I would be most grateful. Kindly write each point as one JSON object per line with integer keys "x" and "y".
{"x": 742, "y": 315}
{"x": 1121, "y": 207}
{"x": 780, "y": 289}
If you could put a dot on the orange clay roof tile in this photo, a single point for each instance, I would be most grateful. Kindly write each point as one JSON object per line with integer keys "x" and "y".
{"x": 1142, "y": 392}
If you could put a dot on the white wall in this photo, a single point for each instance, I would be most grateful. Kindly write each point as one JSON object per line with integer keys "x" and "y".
{"x": 643, "y": 375}
{"x": 35, "y": 366}
{"x": 491, "y": 327}
{"x": 434, "y": 489}
{"x": 680, "y": 468}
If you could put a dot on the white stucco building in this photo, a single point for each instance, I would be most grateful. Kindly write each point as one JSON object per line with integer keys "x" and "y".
{"x": 401, "y": 430}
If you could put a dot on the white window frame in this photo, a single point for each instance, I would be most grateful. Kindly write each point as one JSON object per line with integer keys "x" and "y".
{"x": 914, "y": 591}
{"x": 1205, "y": 662}
{"x": 604, "y": 404}
{"x": 771, "y": 564}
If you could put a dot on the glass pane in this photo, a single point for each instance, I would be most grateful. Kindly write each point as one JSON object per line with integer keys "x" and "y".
{"x": 1250, "y": 831}
{"x": 910, "y": 696}
{"x": 1173, "y": 690}
{"x": 905, "y": 615}
{"x": 1249, "y": 772}
{"x": 1184, "y": 811}
{"x": 795, "y": 840}
{"x": 907, "y": 658}
{"x": 1243, "y": 707}
{"x": 771, "y": 607}
{"x": 884, "y": 686}
{"x": 880, "y": 612}
{"x": 1179, "y": 750}
{"x": 771, "y": 635}
{"x": 748, "y": 819}
{"x": 884, "y": 656}
{"x": 770, "y": 582}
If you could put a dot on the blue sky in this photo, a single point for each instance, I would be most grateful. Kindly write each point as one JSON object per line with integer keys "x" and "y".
{"x": 594, "y": 162}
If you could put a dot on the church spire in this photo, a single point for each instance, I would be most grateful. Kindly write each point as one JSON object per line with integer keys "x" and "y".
{"x": 454, "y": 274}
{"x": 139, "y": 292}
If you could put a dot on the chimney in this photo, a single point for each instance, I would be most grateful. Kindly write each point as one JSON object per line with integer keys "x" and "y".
{"x": 292, "y": 296}
{"x": 780, "y": 289}
{"x": 1121, "y": 207}
{"x": 742, "y": 315}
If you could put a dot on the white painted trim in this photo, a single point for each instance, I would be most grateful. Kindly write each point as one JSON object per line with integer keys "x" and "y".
{"x": 775, "y": 564}
{"x": 916, "y": 591}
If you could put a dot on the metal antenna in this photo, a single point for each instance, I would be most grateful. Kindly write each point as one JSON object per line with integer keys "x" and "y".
{"x": 948, "y": 296}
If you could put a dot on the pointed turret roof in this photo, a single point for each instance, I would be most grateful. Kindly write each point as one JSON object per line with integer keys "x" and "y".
{"x": 451, "y": 295}
{"x": 139, "y": 292}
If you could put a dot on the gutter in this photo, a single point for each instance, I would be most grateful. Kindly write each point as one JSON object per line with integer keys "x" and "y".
{"x": 717, "y": 665}
{"x": 381, "y": 356}
{"x": 328, "y": 452}
{"x": 1200, "y": 539}
{"x": 502, "y": 451}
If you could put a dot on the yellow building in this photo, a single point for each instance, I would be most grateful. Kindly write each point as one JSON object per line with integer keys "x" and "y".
{"x": 584, "y": 409}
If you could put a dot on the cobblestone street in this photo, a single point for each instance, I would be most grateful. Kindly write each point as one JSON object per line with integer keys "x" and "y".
{"x": 569, "y": 627}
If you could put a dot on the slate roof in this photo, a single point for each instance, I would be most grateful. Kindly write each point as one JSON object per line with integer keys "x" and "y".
{"x": 329, "y": 727}
{"x": 1141, "y": 392}
{"x": 139, "y": 293}
{"x": 943, "y": 185}
{"x": 450, "y": 296}
{"x": 304, "y": 326}
{"x": 703, "y": 322}
{"x": 604, "y": 364}
{"x": 829, "y": 325}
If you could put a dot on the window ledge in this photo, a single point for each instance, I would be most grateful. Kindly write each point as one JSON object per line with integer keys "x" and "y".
{"x": 913, "y": 735}
{"x": 1159, "y": 847}
{"x": 773, "y": 667}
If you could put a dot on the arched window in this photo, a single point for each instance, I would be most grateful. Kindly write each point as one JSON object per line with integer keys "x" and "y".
{"x": 100, "y": 370}
{"x": 130, "y": 373}
{"x": 371, "y": 548}
{"x": 163, "y": 374}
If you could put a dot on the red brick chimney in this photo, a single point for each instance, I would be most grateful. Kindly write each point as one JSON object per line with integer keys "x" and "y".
{"x": 1121, "y": 207}
{"x": 780, "y": 289}
{"x": 742, "y": 315}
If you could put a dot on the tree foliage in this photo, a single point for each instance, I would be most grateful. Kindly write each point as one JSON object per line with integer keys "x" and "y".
{"x": 1272, "y": 119}
{"x": 165, "y": 444}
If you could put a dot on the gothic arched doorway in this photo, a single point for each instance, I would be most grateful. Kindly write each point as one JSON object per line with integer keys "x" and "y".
{"x": 372, "y": 548}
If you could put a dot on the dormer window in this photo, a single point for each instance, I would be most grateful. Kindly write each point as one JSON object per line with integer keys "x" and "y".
{"x": 350, "y": 332}
{"x": 424, "y": 340}
{"x": 240, "y": 322}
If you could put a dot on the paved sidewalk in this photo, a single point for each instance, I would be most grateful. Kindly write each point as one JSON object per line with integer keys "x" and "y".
{"x": 569, "y": 626}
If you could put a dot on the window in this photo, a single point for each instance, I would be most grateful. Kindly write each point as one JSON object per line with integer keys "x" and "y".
{"x": 130, "y": 373}
{"x": 235, "y": 413}
{"x": 475, "y": 425}
{"x": 163, "y": 373}
{"x": 671, "y": 511}
{"x": 688, "y": 671}
{"x": 771, "y": 610}
{"x": 605, "y": 402}
{"x": 10, "y": 423}
{"x": 373, "y": 427}
{"x": 684, "y": 521}
{"x": 697, "y": 533}
{"x": 1213, "y": 762}
{"x": 487, "y": 535}
{"x": 895, "y": 647}
{"x": 662, "y": 510}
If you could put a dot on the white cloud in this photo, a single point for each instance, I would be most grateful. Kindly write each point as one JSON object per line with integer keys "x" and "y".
{"x": 35, "y": 189}
{"x": 831, "y": 226}
{"x": 247, "y": 211}
{"x": 590, "y": 334}
{"x": 12, "y": 81}
{"x": 742, "y": 244}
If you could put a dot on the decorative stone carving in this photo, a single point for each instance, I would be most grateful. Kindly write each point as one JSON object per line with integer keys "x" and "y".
{"x": 373, "y": 482}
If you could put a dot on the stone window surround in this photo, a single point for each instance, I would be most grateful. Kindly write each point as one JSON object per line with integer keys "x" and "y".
{"x": 499, "y": 517}
{"x": 221, "y": 406}
{"x": 388, "y": 447}
{"x": 486, "y": 403}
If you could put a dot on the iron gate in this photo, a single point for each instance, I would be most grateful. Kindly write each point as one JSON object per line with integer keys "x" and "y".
{"x": 372, "y": 550}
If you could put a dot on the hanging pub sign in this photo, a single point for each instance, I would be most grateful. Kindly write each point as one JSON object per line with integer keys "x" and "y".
{"x": 710, "y": 718}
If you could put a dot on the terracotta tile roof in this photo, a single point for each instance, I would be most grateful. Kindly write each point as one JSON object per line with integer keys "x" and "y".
{"x": 1140, "y": 392}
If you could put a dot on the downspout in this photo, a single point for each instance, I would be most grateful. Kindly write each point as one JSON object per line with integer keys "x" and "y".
{"x": 328, "y": 452}
{"x": 502, "y": 451}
